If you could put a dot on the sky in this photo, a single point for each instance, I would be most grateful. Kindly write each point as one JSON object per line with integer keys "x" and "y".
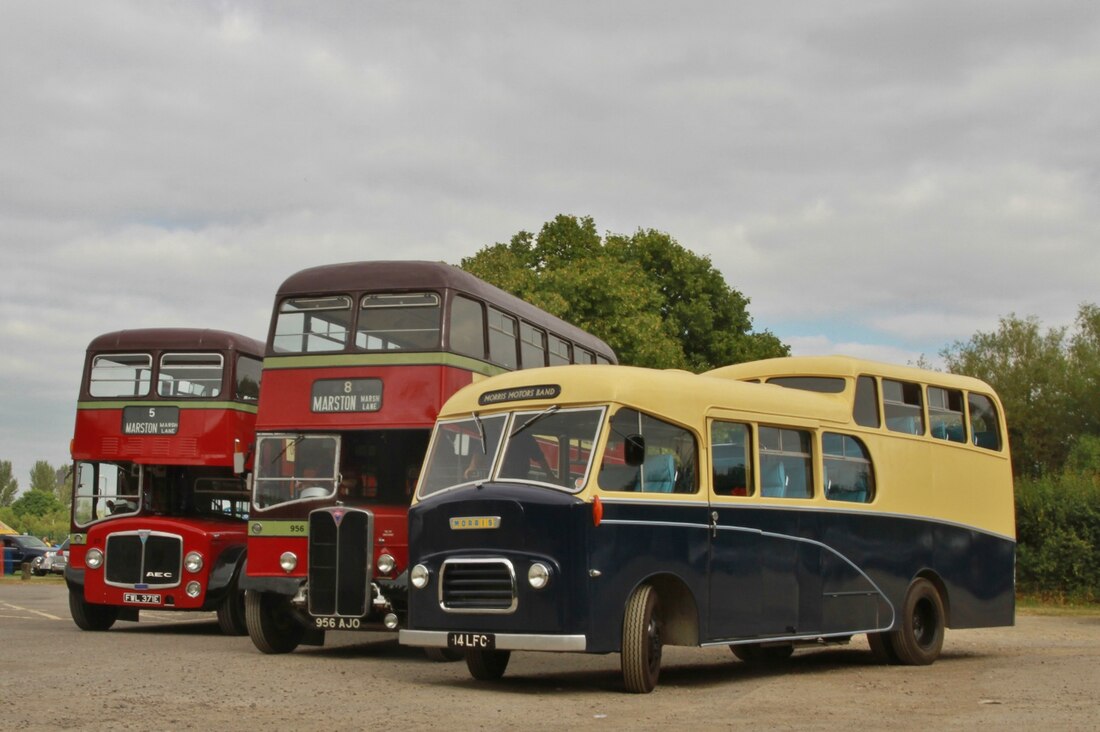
{"x": 881, "y": 179}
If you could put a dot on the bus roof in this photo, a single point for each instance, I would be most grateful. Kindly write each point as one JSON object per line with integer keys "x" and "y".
{"x": 395, "y": 276}
{"x": 144, "y": 339}
{"x": 844, "y": 367}
{"x": 679, "y": 395}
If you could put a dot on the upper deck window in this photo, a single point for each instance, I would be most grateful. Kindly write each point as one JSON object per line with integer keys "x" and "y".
{"x": 190, "y": 375}
{"x": 945, "y": 414}
{"x": 313, "y": 324}
{"x": 559, "y": 351}
{"x": 865, "y": 410}
{"x": 984, "y": 424}
{"x": 121, "y": 375}
{"x": 532, "y": 346}
{"x": 466, "y": 334}
{"x": 904, "y": 407}
{"x": 584, "y": 356}
{"x": 502, "y": 339}
{"x": 821, "y": 384}
{"x": 249, "y": 371}
{"x": 407, "y": 321}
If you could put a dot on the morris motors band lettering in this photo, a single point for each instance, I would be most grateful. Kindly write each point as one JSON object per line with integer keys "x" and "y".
{"x": 150, "y": 420}
{"x": 541, "y": 391}
{"x": 346, "y": 395}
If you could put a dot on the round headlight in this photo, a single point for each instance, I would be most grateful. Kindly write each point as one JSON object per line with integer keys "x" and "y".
{"x": 93, "y": 559}
{"x": 419, "y": 576}
{"x": 288, "y": 561}
{"x": 192, "y": 562}
{"x": 386, "y": 564}
{"x": 193, "y": 589}
{"x": 538, "y": 576}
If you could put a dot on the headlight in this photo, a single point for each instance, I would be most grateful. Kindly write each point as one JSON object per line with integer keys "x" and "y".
{"x": 538, "y": 576}
{"x": 193, "y": 589}
{"x": 386, "y": 564}
{"x": 93, "y": 559}
{"x": 419, "y": 576}
{"x": 288, "y": 561}
{"x": 192, "y": 562}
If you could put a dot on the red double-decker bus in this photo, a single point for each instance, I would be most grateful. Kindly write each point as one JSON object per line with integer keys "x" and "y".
{"x": 165, "y": 419}
{"x": 360, "y": 358}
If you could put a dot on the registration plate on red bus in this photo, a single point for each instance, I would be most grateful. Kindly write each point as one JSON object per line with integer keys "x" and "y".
{"x": 140, "y": 598}
{"x": 487, "y": 641}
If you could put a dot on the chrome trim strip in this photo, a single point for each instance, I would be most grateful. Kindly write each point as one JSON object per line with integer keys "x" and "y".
{"x": 504, "y": 641}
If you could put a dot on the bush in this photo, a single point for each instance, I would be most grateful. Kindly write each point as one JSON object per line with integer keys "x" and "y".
{"x": 1058, "y": 536}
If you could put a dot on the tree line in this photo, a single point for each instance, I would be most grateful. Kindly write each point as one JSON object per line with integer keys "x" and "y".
{"x": 41, "y": 510}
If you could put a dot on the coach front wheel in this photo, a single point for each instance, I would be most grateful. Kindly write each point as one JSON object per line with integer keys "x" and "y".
{"x": 642, "y": 642}
{"x": 89, "y": 616}
{"x": 485, "y": 664}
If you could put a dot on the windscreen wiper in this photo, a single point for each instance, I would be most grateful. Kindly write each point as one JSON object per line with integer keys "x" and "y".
{"x": 535, "y": 418}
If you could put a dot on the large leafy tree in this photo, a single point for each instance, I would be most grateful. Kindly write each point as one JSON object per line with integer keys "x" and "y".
{"x": 656, "y": 303}
{"x": 1046, "y": 380}
{"x": 8, "y": 484}
{"x": 43, "y": 477}
{"x": 36, "y": 503}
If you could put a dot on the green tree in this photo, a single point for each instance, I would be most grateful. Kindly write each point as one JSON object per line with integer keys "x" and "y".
{"x": 8, "y": 484}
{"x": 1046, "y": 380}
{"x": 36, "y": 503}
{"x": 43, "y": 477}
{"x": 63, "y": 484}
{"x": 656, "y": 303}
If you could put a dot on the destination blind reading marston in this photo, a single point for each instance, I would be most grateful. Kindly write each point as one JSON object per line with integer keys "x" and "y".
{"x": 346, "y": 395}
{"x": 150, "y": 420}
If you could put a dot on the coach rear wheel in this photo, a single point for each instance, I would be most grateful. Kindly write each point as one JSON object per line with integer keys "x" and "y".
{"x": 485, "y": 664}
{"x": 271, "y": 623}
{"x": 758, "y": 654}
{"x": 642, "y": 642}
{"x": 919, "y": 636}
{"x": 89, "y": 616}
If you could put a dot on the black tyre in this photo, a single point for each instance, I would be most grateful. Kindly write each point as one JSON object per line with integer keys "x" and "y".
{"x": 882, "y": 648}
{"x": 271, "y": 623}
{"x": 762, "y": 655}
{"x": 918, "y": 639}
{"x": 231, "y": 614}
{"x": 443, "y": 655}
{"x": 89, "y": 616}
{"x": 486, "y": 665}
{"x": 642, "y": 643}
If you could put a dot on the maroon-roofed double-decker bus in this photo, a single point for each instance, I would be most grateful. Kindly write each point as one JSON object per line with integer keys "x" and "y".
{"x": 360, "y": 358}
{"x": 164, "y": 423}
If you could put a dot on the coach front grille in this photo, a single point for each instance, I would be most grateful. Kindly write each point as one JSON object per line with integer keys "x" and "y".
{"x": 477, "y": 585}
{"x": 340, "y": 542}
{"x": 143, "y": 559}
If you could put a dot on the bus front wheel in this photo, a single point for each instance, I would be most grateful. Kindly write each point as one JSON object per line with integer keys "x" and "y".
{"x": 485, "y": 664}
{"x": 89, "y": 616}
{"x": 642, "y": 642}
{"x": 231, "y": 614}
{"x": 919, "y": 636}
{"x": 271, "y": 623}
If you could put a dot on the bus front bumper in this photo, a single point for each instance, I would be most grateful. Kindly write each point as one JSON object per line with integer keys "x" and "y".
{"x": 503, "y": 641}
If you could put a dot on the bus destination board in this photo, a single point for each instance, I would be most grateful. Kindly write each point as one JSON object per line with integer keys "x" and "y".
{"x": 346, "y": 395}
{"x": 150, "y": 420}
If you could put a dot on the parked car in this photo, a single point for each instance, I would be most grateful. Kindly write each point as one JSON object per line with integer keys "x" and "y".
{"x": 57, "y": 558}
{"x": 19, "y": 548}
